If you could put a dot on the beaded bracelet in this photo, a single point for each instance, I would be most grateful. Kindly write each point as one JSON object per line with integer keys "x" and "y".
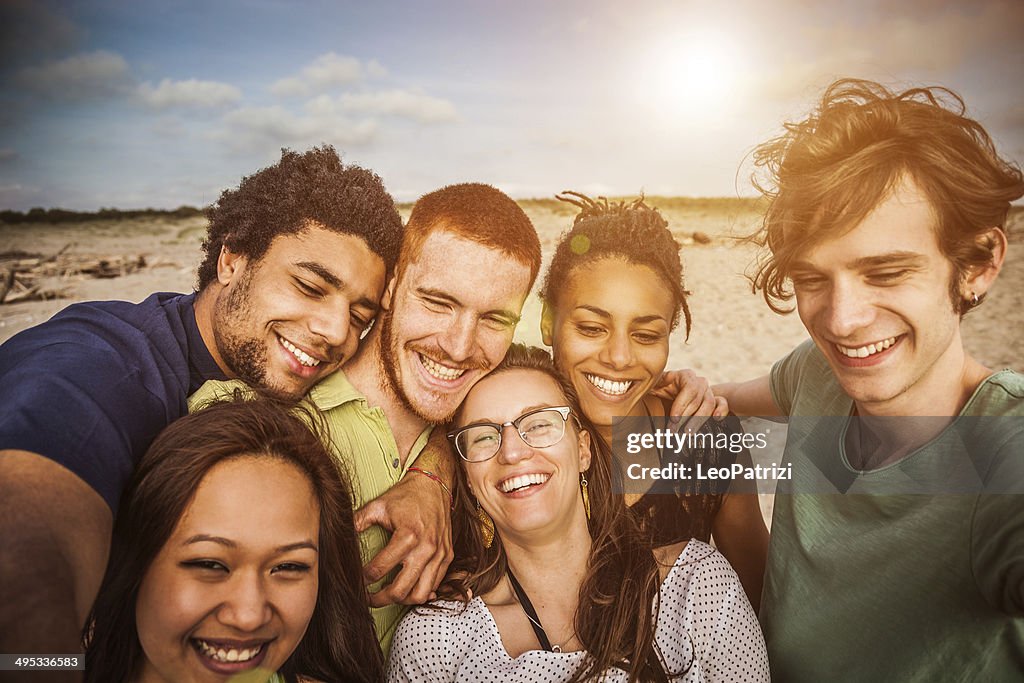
{"x": 434, "y": 477}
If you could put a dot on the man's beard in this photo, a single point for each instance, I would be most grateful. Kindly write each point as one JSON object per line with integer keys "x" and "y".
{"x": 388, "y": 359}
{"x": 246, "y": 357}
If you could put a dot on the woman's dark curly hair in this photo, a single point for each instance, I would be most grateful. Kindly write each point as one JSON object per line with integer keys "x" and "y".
{"x": 282, "y": 199}
{"x": 632, "y": 231}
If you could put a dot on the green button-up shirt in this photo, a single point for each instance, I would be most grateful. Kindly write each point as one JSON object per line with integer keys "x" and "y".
{"x": 364, "y": 447}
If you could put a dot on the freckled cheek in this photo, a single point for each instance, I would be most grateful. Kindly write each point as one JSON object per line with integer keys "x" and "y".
{"x": 493, "y": 345}
{"x": 412, "y": 325}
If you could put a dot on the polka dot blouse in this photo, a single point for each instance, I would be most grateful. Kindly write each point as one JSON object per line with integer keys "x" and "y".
{"x": 705, "y": 623}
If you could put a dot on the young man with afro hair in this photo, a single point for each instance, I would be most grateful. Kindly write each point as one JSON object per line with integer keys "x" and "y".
{"x": 297, "y": 258}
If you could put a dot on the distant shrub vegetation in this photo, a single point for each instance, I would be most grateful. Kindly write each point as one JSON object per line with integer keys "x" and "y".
{"x": 41, "y": 215}
{"x": 728, "y": 204}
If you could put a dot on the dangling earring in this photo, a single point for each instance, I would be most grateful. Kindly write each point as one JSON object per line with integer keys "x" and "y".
{"x": 586, "y": 495}
{"x": 486, "y": 525}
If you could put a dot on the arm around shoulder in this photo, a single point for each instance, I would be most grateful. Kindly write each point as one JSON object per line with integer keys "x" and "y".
{"x": 56, "y": 532}
{"x": 753, "y": 397}
{"x": 417, "y": 511}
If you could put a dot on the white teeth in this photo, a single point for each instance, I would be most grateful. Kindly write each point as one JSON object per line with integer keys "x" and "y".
{"x": 522, "y": 481}
{"x": 609, "y": 386}
{"x": 229, "y": 655}
{"x": 865, "y": 351}
{"x": 440, "y": 371}
{"x": 301, "y": 355}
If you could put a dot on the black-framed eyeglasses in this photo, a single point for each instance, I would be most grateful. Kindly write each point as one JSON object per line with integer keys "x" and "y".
{"x": 538, "y": 428}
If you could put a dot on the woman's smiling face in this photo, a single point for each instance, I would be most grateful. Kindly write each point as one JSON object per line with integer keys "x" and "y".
{"x": 526, "y": 490}
{"x": 610, "y": 334}
{"x": 231, "y": 593}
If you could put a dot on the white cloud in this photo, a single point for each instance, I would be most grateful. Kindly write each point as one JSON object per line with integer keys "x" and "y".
{"x": 289, "y": 87}
{"x": 400, "y": 103}
{"x": 79, "y": 77}
{"x": 325, "y": 72}
{"x": 251, "y": 128}
{"x": 188, "y": 93}
{"x": 375, "y": 69}
{"x": 403, "y": 104}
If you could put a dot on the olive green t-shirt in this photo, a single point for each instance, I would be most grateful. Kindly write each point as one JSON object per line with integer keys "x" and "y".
{"x": 870, "y": 586}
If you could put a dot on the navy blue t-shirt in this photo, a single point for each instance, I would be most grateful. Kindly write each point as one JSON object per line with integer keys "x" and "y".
{"x": 93, "y": 386}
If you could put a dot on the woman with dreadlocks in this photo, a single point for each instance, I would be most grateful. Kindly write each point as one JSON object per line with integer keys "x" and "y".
{"x": 612, "y": 296}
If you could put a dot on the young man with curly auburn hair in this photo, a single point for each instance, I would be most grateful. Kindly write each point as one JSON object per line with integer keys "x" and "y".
{"x": 297, "y": 258}
{"x": 886, "y": 221}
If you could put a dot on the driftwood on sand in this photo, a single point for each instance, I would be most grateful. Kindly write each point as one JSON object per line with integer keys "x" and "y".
{"x": 30, "y": 277}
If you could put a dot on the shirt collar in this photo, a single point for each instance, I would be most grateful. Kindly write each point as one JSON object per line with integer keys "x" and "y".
{"x": 335, "y": 390}
{"x": 201, "y": 364}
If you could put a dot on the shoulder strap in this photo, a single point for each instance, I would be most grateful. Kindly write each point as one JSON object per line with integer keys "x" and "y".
{"x": 531, "y": 613}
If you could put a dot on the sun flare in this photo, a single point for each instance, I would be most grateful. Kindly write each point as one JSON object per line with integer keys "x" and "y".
{"x": 695, "y": 73}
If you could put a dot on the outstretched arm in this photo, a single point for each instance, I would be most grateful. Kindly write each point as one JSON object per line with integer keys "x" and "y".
{"x": 56, "y": 537}
{"x": 417, "y": 512}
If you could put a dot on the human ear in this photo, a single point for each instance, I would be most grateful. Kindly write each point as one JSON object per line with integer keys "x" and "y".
{"x": 979, "y": 279}
{"x": 585, "y": 452}
{"x": 389, "y": 293}
{"x": 547, "y": 324}
{"x": 229, "y": 264}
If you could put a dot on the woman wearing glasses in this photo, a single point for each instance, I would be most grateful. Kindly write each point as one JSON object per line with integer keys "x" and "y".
{"x": 553, "y": 581}
{"x": 612, "y": 296}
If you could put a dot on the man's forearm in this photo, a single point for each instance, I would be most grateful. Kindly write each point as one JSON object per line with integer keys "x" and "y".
{"x": 56, "y": 536}
{"x": 37, "y": 606}
{"x": 437, "y": 457}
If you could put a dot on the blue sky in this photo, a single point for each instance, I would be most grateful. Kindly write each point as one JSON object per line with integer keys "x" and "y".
{"x": 111, "y": 103}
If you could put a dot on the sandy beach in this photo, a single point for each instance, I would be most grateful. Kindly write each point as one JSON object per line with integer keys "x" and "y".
{"x": 735, "y": 336}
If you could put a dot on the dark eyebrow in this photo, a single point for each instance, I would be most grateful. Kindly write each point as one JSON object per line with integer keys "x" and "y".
{"x": 512, "y": 317}
{"x": 199, "y": 538}
{"x": 322, "y": 272}
{"x": 333, "y": 280}
{"x": 595, "y": 310}
{"x": 890, "y": 258}
{"x": 887, "y": 259}
{"x": 228, "y": 543}
{"x": 636, "y": 321}
{"x": 527, "y": 409}
{"x": 644, "y": 319}
{"x": 298, "y": 546}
